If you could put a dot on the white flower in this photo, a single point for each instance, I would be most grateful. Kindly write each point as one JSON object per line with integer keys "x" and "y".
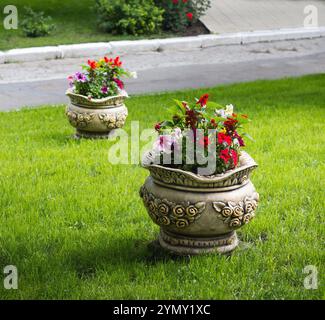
{"x": 134, "y": 75}
{"x": 229, "y": 110}
{"x": 236, "y": 142}
{"x": 221, "y": 113}
{"x": 225, "y": 113}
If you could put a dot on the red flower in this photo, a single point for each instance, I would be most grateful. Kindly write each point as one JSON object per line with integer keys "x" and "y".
{"x": 224, "y": 138}
{"x": 191, "y": 118}
{"x": 204, "y": 141}
{"x": 185, "y": 1}
{"x": 234, "y": 156}
{"x": 92, "y": 64}
{"x": 110, "y": 60}
{"x": 175, "y": 1}
{"x": 117, "y": 62}
{"x": 189, "y": 16}
{"x": 213, "y": 123}
{"x": 158, "y": 126}
{"x": 203, "y": 100}
{"x": 225, "y": 156}
{"x": 230, "y": 124}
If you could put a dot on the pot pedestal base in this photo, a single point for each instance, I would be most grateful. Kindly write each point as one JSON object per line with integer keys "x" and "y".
{"x": 92, "y": 135}
{"x": 183, "y": 245}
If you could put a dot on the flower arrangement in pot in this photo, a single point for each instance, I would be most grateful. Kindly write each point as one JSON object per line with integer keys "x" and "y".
{"x": 97, "y": 98}
{"x": 199, "y": 190}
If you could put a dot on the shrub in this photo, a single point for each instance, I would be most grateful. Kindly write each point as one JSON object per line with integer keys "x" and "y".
{"x": 36, "y": 24}
{"x": 129, "y": 16}
{"x": 179, "y": 14}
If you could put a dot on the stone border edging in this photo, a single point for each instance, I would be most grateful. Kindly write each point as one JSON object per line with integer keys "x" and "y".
{"x": 138, "y": 46}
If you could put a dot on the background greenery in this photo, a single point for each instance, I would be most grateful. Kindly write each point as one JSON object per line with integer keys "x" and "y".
{"x": 75, "y": 226}
{"x": 75, "y": 21}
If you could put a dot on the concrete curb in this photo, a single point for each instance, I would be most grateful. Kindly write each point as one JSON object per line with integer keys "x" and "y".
{"x": 138, "y": 46}
{"x": 85, "y": 49}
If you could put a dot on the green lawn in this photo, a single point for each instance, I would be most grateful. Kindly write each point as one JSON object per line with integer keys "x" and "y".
{"x": 75, "y": 226}
{"x": 75, "y": 22}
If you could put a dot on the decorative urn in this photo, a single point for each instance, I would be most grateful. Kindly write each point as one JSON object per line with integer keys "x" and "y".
{"x": 199, "y": 214}
{"x": 95, "y": 118}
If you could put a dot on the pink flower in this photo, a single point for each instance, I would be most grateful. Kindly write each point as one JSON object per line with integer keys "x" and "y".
{"x": 119, "y": 83}
{"x": 80, "y": 77}
{"x": 164, "y": 144}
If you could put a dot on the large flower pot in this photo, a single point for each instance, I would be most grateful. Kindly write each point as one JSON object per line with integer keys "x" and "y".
{"x": 199, "y": 214}
{"x": 95, "y": 118}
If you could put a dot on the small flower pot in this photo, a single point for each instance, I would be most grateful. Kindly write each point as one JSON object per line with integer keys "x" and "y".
{"x": 95, "y": 118}
{"x": 199, "y": 214}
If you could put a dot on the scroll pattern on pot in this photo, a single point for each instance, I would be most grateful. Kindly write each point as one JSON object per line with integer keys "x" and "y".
{"x": 80, "y": 120}
{"x": 177, "y": 178}
{"x": 165, "y": 212}
{"x": 237, "y": 214}
{"x": 112, "y": 120}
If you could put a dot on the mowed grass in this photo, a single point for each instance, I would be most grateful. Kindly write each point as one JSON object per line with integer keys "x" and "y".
{"x": 75, "y": 226}
{"x": 75, "y": 20}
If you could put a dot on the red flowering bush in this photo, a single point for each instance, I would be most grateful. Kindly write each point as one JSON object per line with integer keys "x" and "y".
{"x": 179, "y": 14}
{"x": 198, "y": 135}
{"x": 100, "y": 78}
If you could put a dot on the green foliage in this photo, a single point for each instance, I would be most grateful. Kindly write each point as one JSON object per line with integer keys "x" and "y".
{"x": 36, "y": 24}
{"x": 75, "y": 21}
{"x": 180, "y": 14}
{"x": 133, "y": 17}
{"x": 76, "y": 228}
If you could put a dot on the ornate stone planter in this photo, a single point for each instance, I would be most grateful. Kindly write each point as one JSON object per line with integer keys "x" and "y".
{"x": 199, "y": 214}
{"x": 95, "y": 118}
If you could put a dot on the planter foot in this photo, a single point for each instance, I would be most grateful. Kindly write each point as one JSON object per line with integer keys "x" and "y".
{"x": 183, "y": 245}
{"x": 92, "y": 135}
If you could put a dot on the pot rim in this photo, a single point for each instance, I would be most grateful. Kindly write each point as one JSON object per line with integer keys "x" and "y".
{"x": 246, "y": 162}
{"x": 107, "y": 102}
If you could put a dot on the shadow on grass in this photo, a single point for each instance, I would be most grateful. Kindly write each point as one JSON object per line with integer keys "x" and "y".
{"x": 120, "y": 253}
{"x": 127, "y": 253}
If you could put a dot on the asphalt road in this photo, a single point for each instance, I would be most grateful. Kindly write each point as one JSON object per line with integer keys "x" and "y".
{"x": 16, "y": 92}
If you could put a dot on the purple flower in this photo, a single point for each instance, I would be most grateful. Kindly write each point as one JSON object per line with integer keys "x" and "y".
{"x": 104, "y": 90}
{"x": 80, "y": 77}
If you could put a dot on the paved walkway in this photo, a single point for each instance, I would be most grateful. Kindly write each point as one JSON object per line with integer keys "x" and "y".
{"x": 250, "y": 15}
{"x": 45, "y": 82}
